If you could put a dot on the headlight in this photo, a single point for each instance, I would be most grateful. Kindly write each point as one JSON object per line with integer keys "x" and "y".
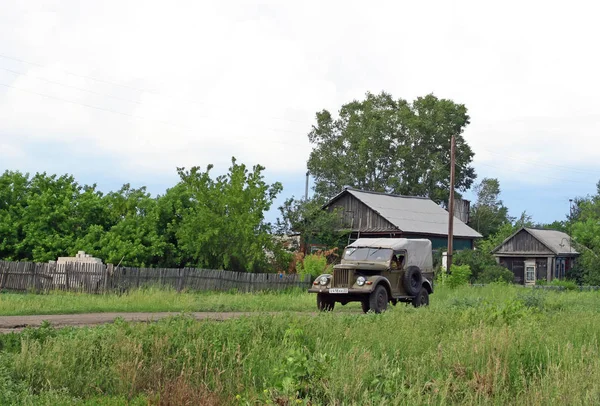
{"x": 323, "y": 280}
{"x": 360, "y": 280}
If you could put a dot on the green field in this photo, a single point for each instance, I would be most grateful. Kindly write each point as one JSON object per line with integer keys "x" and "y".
{"x": 156, "y": 300}
{"x": 492, "y": 345}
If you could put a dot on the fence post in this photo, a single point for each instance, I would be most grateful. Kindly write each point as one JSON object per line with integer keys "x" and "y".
{"x": 34, "y": 276}
{"x": 3, "y": 273}
{"x": 67, "y": 266}
{"x": 182, "y": 274}
{"x": 107, "y": 272}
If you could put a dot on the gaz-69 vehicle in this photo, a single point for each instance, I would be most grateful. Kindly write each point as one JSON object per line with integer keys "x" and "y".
{"x": 377, "y": 271}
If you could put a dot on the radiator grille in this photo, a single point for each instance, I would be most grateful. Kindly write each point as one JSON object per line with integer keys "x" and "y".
{"x": 341, "y": 278}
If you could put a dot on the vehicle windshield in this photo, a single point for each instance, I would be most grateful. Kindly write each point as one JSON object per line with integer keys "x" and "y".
{"x": 368, "y": 254}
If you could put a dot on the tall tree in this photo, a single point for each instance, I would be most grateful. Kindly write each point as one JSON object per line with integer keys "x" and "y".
{"x": 585, "y": 228}
{"x": 488, "y": 213}
{"x": 387, "y": 145}
{"x": 310, "y": 220}
{"x": 224, "y": 228}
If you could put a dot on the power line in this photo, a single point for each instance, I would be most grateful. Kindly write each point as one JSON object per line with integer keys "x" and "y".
{"x": 544, "y": 176}
{"x": 80, "y": 76}
{"x": 70, "y": 86}
{"x": 136, "y": 117}
{"x": 541, "y": 163}
{"x": 137, "y": 89}
{"x": 117, "y": 98}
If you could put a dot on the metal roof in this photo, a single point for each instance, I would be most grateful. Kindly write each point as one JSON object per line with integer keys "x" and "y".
{"x": 556, "y": 241}
{"x": 412, "y": 214}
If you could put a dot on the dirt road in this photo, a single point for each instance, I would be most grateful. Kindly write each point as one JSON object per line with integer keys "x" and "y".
{"x": 17, "y": 323}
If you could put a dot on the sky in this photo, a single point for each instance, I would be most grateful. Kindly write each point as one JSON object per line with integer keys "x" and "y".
{"x": 118, "y": 92}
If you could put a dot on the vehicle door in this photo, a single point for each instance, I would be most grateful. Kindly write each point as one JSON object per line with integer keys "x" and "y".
{"x": 397, "y": 269}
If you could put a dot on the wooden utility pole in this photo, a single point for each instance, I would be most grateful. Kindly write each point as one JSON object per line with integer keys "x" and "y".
{"x": 451, "y": 207}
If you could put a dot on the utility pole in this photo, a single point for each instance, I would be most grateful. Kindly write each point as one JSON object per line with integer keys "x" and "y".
{"x": 570, "y": 222}
{"x": 451, "y": 207}
{"x": 306, "y": 187}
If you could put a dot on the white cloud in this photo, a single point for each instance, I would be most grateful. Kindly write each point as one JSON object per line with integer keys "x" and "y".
{"x": 234, "y": 78}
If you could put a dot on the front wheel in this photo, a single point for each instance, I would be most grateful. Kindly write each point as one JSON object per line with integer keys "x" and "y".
{"x": 324, "y": 302}
{"x": 422, "y": 299}
{"x": 378, "y": 300}
{"x": 365, "y": 305}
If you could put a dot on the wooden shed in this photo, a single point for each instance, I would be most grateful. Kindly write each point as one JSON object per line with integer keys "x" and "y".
{"x": 536, "y": 254}
{"x": 381, "y": 215}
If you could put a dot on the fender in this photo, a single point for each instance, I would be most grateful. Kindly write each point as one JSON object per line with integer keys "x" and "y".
{"x": 428, "y": 286}
{"x": 382, "y": 280}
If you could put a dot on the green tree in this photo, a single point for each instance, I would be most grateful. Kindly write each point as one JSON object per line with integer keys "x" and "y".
{"x": 387, "y": 145}
{"x": 308, "y": 219}
{"x": 488, "y": 214}
{"x": 585, "y": 229}
{"x": 129, "y": 234}
{"x": 224, "y": 228}
{"x": 14, "y": 190}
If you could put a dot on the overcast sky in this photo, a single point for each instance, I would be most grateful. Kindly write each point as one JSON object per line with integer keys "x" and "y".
{"x": 126, "y": 91}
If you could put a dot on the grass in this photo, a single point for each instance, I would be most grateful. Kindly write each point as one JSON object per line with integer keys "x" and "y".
{"x": 490, "y": 345}
{"x": 156, "y": 300}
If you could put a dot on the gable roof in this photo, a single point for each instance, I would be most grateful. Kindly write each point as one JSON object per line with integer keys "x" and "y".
{"x": 410, "y": 214}
{"x": 556, "y": 241}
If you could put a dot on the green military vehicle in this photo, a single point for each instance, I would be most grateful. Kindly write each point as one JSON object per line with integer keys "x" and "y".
{"x": 378, "y": 271}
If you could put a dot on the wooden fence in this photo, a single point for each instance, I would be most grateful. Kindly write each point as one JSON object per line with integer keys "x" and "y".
{"x": 100, "y": 278}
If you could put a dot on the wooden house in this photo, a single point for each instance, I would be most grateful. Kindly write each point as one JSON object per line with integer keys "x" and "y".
{"x": 381, "y": 215}
{"x": 536, "y": 254}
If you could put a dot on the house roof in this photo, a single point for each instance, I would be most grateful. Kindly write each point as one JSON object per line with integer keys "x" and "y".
{"x": 411, "y": 214}
{"x": 556, "y": 241}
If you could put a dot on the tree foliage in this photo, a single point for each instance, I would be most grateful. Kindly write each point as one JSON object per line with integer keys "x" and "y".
{"x": 387, "y": 145}
{"x": 488, "y": 213}
{"x": 585, "y": 229}
{"x": 201, "y": 221}
{"x": 308, "y": 219}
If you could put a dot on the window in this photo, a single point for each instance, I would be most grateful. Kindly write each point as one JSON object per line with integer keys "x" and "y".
{"x": 530, "y": 274}
{"x": 368, "y": 254}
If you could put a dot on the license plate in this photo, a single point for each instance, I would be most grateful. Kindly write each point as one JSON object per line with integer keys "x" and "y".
{"x": 338, "y": 290}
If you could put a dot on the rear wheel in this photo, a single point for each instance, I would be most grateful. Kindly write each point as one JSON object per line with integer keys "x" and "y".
{"x": 422, "y": 299}
{"x": 412, "y": 280}
{"x": 324, "y": 302}
{"x": 378, "y": 300}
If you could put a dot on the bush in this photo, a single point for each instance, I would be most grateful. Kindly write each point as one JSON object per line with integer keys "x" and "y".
{"x": 459, "y": 276}
{"x": 567, "y": 284}
{"x": 495, "y": 273}
{"x": 477, "y": 260}
{"x": 533, "y": 299}
{"x": 313, "y": 265}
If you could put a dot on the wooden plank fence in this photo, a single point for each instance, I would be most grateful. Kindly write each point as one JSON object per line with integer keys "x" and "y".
{"x": 100, "y": 278}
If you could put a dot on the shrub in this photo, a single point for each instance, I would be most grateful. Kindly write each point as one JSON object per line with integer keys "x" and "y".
{"x": 533, "y": 299}
{"x": 477, "y": 260}
{"x": 567, "y": 284}
{"x": 495, "y": 273}
{"x": 313, "y": 265}
{"x": 459, "y": 276}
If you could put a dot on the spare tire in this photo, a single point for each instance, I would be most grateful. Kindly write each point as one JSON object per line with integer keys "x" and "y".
{"x": 412, "y": 280}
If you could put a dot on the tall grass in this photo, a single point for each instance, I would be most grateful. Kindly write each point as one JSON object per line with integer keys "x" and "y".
{"x": 155, "y": 300}
{"x": 490, "y": 345}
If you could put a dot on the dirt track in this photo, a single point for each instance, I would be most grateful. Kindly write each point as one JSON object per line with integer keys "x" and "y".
{"x": 17, "y": 323}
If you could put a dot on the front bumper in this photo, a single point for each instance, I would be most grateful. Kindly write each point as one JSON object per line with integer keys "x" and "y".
{"x": 351, "y": 291}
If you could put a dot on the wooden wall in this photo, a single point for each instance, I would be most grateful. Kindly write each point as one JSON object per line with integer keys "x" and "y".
{"x": 524, "y": 243}
{"x": 360, "y": 217}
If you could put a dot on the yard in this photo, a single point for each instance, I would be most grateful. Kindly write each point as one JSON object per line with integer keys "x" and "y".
{"x": 473, "y": 345}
